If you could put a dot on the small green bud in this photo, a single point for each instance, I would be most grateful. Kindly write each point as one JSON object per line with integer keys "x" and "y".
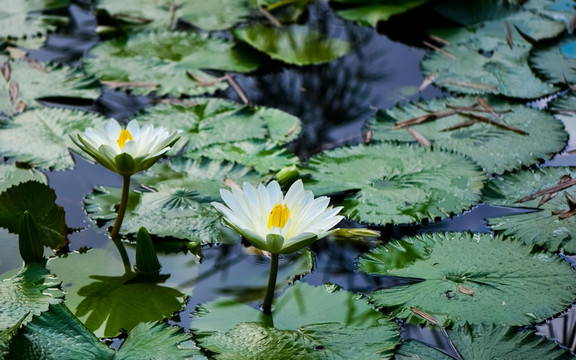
{"x": 31, "y": 248}
{"x": 146, "y": 259}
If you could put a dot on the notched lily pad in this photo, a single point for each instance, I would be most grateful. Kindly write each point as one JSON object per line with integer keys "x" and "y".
{"x": 167, "y": 62}
{"x": 498, "y": 135}
{"x": 11, "y": 175}
{"x": 49, "y": 130}
{"x": 555, "y": 62}
{"x": 397, "y": 184}
{"x": 306, "y": 322}
{"x": 551, "y": 191}
{"x": 39, "y": 201}
{"x": 28, "y": 17}
{"x": 25, "y": 80}
{"x": 486, "y": 342}
{"x": 179, "y": 205}
{"x": 293, "y": 44}
{"x": 470, "y": 278}
{"x": 29, "y": 292}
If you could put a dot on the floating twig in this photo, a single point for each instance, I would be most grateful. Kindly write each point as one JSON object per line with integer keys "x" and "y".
{"x": 425, "y": 315}
{"x": 509, "y": 39}
{"x": 6, "y": 71}
{"x": 419, "y": 137}
{"x": 269, "y": 16}
{"x": 497, "y": 124}
{"x": 472, "y": 85}
{"x": 237, "y": 88}
{"x": 525, "y": 36}
{"x": 440, "y": 50}
{"x": 427, "y": 81}
{"x": 562, "y": 185}
{"x": 424, "y": 118}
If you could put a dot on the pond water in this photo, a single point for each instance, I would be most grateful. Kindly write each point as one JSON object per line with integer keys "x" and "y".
{"x": 333, "y": 100}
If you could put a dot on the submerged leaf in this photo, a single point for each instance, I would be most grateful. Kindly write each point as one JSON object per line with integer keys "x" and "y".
{"x": 510, "y": 285}
{"x": 294, "y": 44}
{"x": 305, "y": 321}
{"x": 10, "y": 175}
{"x": 396, "y": 183}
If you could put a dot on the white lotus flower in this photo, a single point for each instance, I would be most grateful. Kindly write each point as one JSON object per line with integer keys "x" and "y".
{"x": 126, "y": 151}
{"x": 276, "y": 223}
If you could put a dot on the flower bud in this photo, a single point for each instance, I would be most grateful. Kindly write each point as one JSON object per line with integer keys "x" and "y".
{"x": 146, "y": 259}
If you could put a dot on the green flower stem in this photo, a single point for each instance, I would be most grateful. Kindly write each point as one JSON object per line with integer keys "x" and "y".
{"x": 118, "y": 222}
{"x": 267, "y": 306}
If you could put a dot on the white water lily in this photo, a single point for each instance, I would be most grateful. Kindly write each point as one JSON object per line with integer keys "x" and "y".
{"x": 276, "y": 223}
{"x": 126, "y": 151}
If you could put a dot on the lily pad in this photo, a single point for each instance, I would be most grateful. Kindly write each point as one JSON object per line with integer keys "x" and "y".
{"x": 476, "y": 11}
{"x": 293, "y": 44}
{"x": 58, "y": 334}
{"x": 470, "y": 278}
{"x": 207, "y": 122}
{"x": 500, "y": 138}
{"x": 487, "y": 342}
{"x": 547, "y": 227}
{"x": 106, "y": 299}
{"x": 306, "y": 321}
{"x": 39, "y": 200}
{"x": 154, "y": 14}
{"x": 167, "y": 62}
{"x": 29, "y": 80}
{"x": 49, "y": 130}
{"x": 180, "y": 205}
{"x": 555, "y": 62}
{"x": 30, "y": 291}
{"x": 11, "y": 175}
{"x": 28, "y": 17}
{"x": 396, "y": 183}
{"x": 505, "y": 71}
{"x": 370, "y": 13}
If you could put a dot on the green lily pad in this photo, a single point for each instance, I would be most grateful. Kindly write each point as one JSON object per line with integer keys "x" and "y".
{"x": 396, "y": 183}
{"x": 58, "y": 334}
{"x": 180, "y": 205}
{"x": 471, "y": 278}
{"x": 6, "y": 336}
{"x": 505, "y": 71}
{"x": 30, "y": 291}
{"x": 167, "y": 62}
{"x": 217, "y": 121}
{"x": 10, "y": 175}
{"x": 518, "y": 135}
{"x": 27, "y": 17}
{"x": 154, "y": 14}
{"x": 487, "y": 342}
{"x": 370, "y": 13}
{"x": 263, "y": 156}
{"x": 106, "y": 299}
{"x": 555, "y": 9}
{"x": 306, "y": 321}
{"x": 29, "y": 80}
{"x": 39, "y": 200}
{"x": 49, "y": 130}
{"x": 555, "y": 62}
{"x": 293, "y": 44}
{"x": 545, "y": 228}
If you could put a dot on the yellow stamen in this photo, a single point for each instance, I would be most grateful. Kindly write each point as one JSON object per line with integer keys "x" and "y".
{"x": 278, "y": 216}
{"x": 124, "y": 136}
